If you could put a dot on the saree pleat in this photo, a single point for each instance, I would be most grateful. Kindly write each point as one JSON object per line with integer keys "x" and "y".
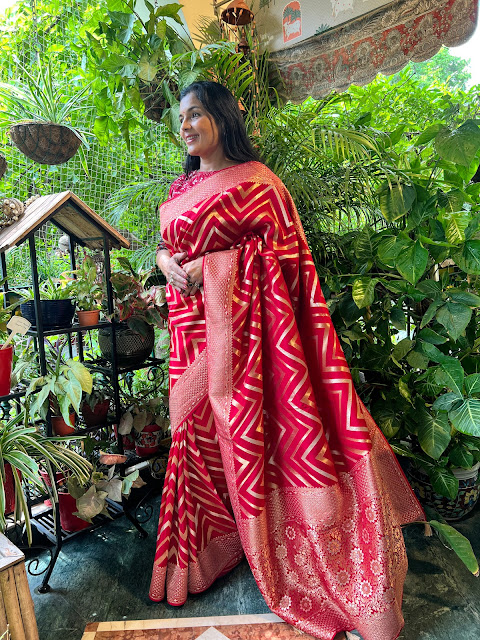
{"x": 198, "y": 537}
{"x": 273, "y": 453}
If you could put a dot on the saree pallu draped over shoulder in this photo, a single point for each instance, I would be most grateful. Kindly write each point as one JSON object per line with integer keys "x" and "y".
{"x": 273, "y": 454}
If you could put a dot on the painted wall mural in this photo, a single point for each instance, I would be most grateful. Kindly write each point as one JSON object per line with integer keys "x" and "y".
{"x": 344, "y": 42}
{"x": 292, "y": 21}
{"x": 275, "y": 18}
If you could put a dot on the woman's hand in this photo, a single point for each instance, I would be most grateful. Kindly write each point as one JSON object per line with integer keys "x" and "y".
{"x": 194, "y": 271}
{"x": 173, "y": 272}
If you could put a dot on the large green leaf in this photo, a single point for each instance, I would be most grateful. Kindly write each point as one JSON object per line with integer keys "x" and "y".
{"x": 431, "y": 336}
{"x": 472, "y": 384}
{"x": 430, "y": 288}
{"x": 430, "y": 313}
{"x": 388, "y": 419}
{"x": 375, "y": 357}
{"x": 101, "y": 128}
{"x": 363, "y": 244}
{"x": 446, "y": 401}
{"x": 429, "y": 134}
{"x": 431, "y": 351}
{"x": 169, "y": 11}
{"x": 390, "y": 247}
{"x": 455, "y": 225}
{"x": 417, "y": 360}
{"x": 466, "y": 417}
{"x": 348, "y": 309}
{"x": 458, "y": 543}
{"x": 450, "y": 374}
{"x": 454, "y": 317}
{"x": 82, "y": 374}
{"x": 444, "y": 482}
{"x": 402, "y": 348}
{"x": 465, "y": 297}
{"x": 460, "y": 456}
{"x": 123, "y": 25}
{"x": 73, "y": 389}
{"x": 395, "y": 200}
{"x": 460, "y": 145}
{"x": 148, "y": 66}
{"x": 161, "y": 29}
{"x": 468, "y": 257}
{"x": 398, "y": 318}
{"x": 412, "y": 262}
{"x": 363, "y": 291}
{"x": 453, "y": 201}
{"x": 121, "y": 65}
{"x": 433, "y": 433}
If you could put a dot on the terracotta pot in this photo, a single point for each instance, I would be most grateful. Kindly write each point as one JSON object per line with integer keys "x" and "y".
{"x": 60, "y": 427}
{"x": 45, "y": 142}
{"x": 97, "y": 415}
{"x": 67, "y": 506}
{"x": 6, "y": 356}
{"x": 450, "y": 509}
{"x": 148, "y": 440}
{"x": 88, "y": 318}
{"x": 59, "y": 479}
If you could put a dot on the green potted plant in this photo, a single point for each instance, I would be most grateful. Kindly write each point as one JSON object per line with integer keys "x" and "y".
{"x": 60, "y": 391}
{"x": 89, "y": 496}
{"x": 405, "y": 303}
{"x": 96, "y": 404}
{"x": 145, "y": 418}
{"x": 87, "y": 292}
{"x": 56, "y": 305}
{"x": 22, "y": 449}
{"x": 145, "y": 61}
{"x": 138, "y": 310}
{"x": 38, "y": 110}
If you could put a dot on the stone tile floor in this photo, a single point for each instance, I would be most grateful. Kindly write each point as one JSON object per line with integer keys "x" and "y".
{"x": 104, "y": 575}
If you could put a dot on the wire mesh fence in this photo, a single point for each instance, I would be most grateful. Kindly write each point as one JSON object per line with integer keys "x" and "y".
{"x": 102, "y": 170}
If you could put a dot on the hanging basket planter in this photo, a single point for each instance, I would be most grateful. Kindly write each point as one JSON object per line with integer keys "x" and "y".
{"x": 153, "y": 99}
{"x": 45, "y": 142}
{"x": 3, "y": 165}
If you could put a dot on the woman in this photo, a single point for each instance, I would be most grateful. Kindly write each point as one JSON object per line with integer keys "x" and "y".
{"x": 273, "y": 455}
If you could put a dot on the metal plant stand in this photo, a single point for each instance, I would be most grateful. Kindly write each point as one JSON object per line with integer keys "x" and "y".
{"x": 84, "y": 228}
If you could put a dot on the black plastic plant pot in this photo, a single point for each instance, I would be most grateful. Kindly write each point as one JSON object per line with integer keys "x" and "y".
{"x": 131, "y": 347}
{"x": 56, "y": 314}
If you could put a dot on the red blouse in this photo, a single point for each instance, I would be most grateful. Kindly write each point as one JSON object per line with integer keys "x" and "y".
{"x": 183, "y": 184}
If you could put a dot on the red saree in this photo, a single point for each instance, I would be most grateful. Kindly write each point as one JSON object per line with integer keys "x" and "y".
{"x": 273, "y": 454}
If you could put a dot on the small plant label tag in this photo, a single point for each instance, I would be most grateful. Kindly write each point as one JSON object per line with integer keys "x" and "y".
{"x": 20, "y": 325}
{"x": 17, "y": 324}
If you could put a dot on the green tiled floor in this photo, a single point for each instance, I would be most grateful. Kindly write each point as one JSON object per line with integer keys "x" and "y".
{"x": 104, "y": 575}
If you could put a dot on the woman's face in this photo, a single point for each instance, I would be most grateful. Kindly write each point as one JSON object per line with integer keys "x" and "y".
{"x": 198, "y": 128}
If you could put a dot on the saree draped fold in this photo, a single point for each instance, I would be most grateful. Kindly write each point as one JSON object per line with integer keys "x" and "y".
{"x": 273, "y": 454}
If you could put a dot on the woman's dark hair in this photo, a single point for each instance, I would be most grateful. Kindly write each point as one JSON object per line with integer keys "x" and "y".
{"x": 223, "y": 108}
